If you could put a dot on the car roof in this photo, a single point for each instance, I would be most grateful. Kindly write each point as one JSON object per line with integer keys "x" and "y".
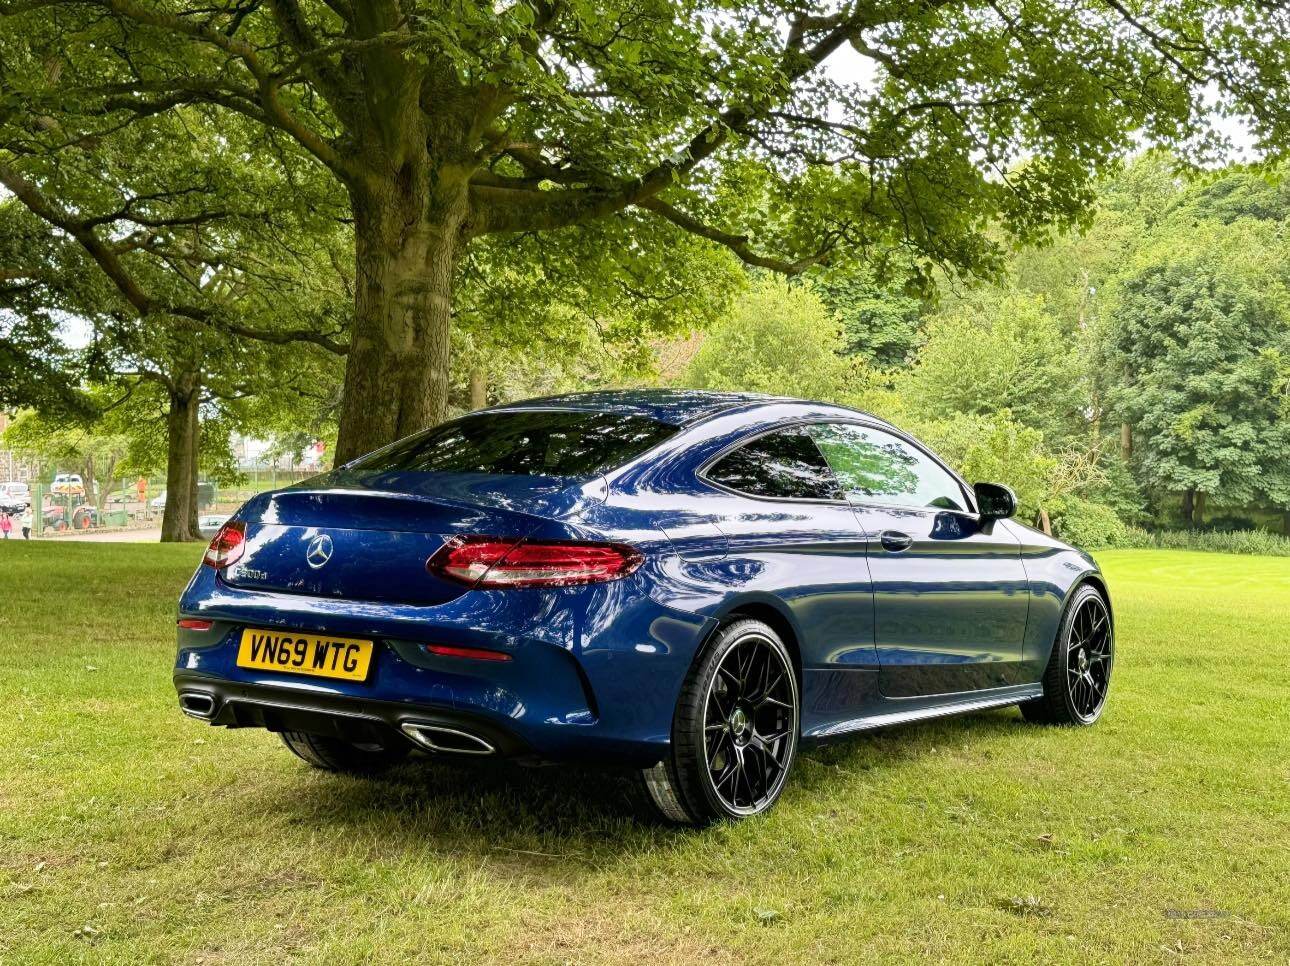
{"x": 677, "y": 407}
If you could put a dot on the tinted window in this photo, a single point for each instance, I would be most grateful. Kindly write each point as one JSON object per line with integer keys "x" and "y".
{"x": 786, "y": 464}
{"x": 523, "y": 443}
{"x": 871, "y": 464}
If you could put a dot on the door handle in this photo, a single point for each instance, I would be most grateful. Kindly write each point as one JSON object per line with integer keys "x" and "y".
{"x": 895, "y": 541}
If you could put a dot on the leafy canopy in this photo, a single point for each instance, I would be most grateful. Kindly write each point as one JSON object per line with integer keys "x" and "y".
{"x": 1200, "y": 336}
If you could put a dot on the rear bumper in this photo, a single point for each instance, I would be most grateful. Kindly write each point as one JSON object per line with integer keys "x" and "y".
{"x": 594, "y": 673}
{"x": 233, "y": 705}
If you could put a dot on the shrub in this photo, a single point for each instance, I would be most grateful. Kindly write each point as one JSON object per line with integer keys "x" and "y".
{"x": 1230, "y": 541}
{"x": 1089, "y": 525}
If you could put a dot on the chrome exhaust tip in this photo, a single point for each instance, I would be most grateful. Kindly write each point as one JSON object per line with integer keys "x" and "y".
{"x": 447, "y": 740}
{"x": 197, "y": 704}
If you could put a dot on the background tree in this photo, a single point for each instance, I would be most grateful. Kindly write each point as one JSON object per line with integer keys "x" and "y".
{"x": 882, "y": 321}
{"x": 185, "y": 274}
{"x": 998, "y": 350}
{"x": 444, "y": 124}
{"x": 96, "y": 452}
{"x": 1200, "y": 335}
{"x": 779, "y": 339}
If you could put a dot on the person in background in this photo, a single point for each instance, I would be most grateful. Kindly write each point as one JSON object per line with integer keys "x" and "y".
{"x": 24, "y": 521}
{"x": 5, "y": 525}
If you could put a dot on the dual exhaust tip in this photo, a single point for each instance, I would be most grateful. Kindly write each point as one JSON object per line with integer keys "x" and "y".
{"x": 433, "y": 737}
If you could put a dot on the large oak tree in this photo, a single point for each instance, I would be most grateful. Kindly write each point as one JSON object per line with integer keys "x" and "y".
{"x": 445, "y": 123}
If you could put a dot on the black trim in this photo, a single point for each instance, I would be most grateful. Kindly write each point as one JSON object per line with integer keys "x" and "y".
{"x": 239, "y": 705}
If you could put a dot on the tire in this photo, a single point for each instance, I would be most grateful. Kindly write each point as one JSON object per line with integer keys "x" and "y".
{"x": 735, "y": 730}
{"x": 1078, "y": 677}
{"x": 333, "y": 754}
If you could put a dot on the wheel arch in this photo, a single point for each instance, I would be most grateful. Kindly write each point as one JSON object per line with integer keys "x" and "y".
{"x": 1095, "y": 579}
{"x": 772, "y": 612}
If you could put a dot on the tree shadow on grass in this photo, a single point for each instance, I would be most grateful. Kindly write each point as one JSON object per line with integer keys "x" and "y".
{"x": 549, "y": 819}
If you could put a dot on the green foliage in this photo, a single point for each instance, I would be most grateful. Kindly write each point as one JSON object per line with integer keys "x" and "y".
{"x": 779, "y": 339}
{"x": 98, "y": 453}
{"x": 1199, "y": 336}
{"x": 881, "y": 323}
{"x": 997, "y": 350}
{"x": 1089, "y": 525}
{"x": 995, "y": 448}
{"x": 1259, "y": 542}
{"x": 543, "y": 314}
{"x": 455, "y": 122}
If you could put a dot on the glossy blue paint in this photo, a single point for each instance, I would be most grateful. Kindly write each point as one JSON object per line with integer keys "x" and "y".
{"x": 967, "y": 610}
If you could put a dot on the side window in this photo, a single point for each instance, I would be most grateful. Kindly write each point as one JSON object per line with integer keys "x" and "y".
{"x": 783, "y": 465}
{"x": 874, "y": 465}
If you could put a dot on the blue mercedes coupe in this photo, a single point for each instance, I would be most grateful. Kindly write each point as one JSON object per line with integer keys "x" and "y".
{"x": 688, "y": 583}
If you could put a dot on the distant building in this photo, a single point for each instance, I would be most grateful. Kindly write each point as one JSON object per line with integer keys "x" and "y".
{"x": 13, "y": 466}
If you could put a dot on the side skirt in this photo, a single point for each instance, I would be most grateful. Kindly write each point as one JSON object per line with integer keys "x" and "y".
{"x": 977, "y": 702}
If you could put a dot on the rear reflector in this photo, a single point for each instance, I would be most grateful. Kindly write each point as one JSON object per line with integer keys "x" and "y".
{"x": 492, "y": 562}
{"x": 227, "y": 546}
{"x": 477, "y": 653}
{"x": 195, "y": 624}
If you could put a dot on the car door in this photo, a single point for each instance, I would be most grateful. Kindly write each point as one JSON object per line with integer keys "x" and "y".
{"x": 792, "y": 536}
{"x": 950, "y": 593}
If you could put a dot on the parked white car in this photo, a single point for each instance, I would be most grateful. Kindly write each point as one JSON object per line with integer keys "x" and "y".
{"x": 15, "y": 494}
{"x": 208, "y": 523}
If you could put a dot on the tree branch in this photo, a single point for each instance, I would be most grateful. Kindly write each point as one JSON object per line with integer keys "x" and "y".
{"x": 737, "y": 243}
{"x": 510, "y": 208}
{"x": 108, "y": 258}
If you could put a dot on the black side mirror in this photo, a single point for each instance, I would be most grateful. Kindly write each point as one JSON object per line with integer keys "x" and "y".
{"x": 996, "y": 501}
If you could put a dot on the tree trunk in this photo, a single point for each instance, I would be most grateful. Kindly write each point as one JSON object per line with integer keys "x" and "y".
{"x": 1188, "y": 507}
{"x": 1126, "y": 441}
{"x": 478, "y": 388}
{"x": 1045, "y": 524}
{"x": 406, "y": 250}
{"x": 1198, "y": 512}
{"x": 179, "y": 519}
{"x": 88, "y": 477}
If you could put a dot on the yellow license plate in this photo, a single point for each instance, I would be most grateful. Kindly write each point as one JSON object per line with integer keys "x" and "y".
{"x": 319, "y": 655}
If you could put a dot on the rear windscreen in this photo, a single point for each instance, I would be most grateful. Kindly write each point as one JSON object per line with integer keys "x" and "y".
{"x": 522, "y": 443}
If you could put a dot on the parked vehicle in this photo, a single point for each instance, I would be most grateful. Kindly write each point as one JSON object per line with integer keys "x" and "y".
{"x": 54, "y": 517}
{"x": 14, "y": 496}
{"x": 85, "y": 516}
{"x": 205, "y": 497}
{"x": 690, "y": 583}
{"x": 209, "y": 523}
{"x": 68, "y": 484}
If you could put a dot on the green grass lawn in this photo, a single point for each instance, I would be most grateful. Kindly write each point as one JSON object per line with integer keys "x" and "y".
{"x": 130, "y": 833}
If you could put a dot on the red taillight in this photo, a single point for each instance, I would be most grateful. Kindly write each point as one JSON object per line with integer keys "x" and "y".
{"x": 227, "y": 545}
{"x": 195, "y": 624}
{"x": 485, "y": 562}
{"x": 477, "y": 653}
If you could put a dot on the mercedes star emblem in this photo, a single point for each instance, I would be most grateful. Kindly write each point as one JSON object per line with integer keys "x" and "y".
{"x": 318, "y": 551}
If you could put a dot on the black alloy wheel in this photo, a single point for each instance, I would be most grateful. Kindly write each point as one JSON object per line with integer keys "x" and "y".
{"x": 735, "y": 733}
{"x": 1078, "y": 677}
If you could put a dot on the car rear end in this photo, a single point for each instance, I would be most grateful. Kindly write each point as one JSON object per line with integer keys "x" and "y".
{"x": 445, "y": 591}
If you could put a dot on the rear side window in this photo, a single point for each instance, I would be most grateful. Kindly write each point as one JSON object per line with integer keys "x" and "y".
{"x": 522, "y": 443}
{"x": 781, "y": 465}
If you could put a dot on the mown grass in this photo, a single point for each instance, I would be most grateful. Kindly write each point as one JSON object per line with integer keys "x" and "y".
{"x": 129, "y": 833}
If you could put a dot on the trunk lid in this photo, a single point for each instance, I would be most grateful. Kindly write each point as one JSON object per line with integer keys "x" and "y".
{"x": 367, "y": 538}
